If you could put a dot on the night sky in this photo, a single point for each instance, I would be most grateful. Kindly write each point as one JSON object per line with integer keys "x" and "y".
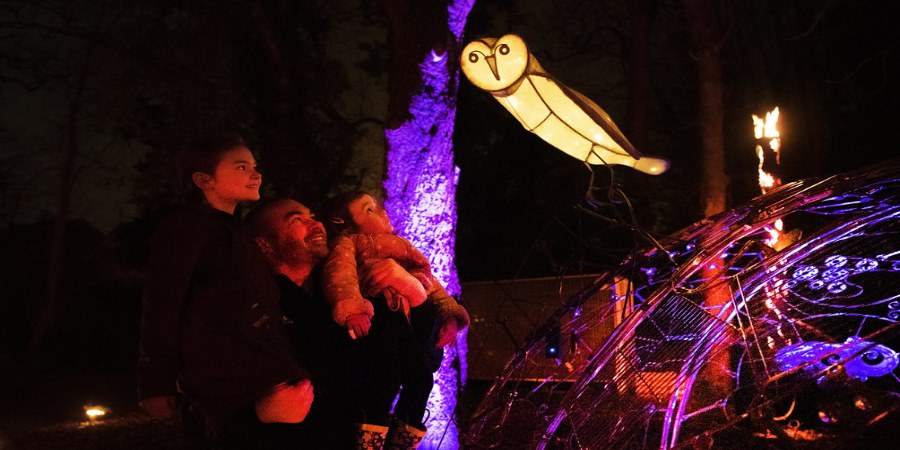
{"x": 831, "y": 66}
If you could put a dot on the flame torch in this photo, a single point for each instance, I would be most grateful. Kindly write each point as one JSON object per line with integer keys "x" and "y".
{"x": 768, "y": 150}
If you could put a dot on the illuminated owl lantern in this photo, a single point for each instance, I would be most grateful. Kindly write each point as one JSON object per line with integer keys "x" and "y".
{"x": 561, "y": 116}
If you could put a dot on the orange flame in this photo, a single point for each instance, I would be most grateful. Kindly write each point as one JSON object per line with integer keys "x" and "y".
{"x": 767, "y": 128}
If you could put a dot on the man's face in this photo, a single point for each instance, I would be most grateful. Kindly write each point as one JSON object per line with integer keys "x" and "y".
{"x": 301, "y": 238}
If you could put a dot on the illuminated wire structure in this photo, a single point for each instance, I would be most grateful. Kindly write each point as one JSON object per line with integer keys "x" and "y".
{"x": 729, "y": 335}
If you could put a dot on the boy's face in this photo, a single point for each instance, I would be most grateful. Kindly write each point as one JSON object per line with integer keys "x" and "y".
{"x": 369, "y": 216}
{"x": 234, "y": 180}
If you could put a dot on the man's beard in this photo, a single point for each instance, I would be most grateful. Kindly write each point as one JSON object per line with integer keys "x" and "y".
{"x": 299, "y": 253}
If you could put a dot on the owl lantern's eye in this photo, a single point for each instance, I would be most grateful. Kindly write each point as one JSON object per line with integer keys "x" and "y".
{"x": 473, "y": 57}
{"x": 503, "y": 49}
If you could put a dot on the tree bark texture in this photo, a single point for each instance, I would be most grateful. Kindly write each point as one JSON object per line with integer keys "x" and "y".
{"x": 713, "y": 179}
{"x": 425, "y": 38}
{"x": 60, "y": 223}
{"x": 640, "y": 12}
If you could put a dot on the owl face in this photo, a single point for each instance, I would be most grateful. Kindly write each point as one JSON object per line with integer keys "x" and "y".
{"x": 495, "y": 64}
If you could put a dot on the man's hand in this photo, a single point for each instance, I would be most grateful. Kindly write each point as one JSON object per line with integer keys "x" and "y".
{"x": 286, "y": 403}
{"x": 387, "y": 273}
{"x": 358, "y": 325}
{"x": 447, "y": 334}
{"x": 159, "y": 408}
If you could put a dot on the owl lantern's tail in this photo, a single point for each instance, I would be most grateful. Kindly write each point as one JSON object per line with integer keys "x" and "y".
{"x": 647, "y": 164}
{"x": 651, "y": 165}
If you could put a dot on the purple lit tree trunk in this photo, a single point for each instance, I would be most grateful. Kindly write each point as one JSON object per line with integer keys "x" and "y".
{"x": 425, "y": 39}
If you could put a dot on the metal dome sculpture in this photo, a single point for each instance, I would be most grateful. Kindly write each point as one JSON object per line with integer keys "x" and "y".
{"x": 729, "y": 335}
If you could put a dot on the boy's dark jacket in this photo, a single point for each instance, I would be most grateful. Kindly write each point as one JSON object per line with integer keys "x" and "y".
{"x": 211, "y": 320}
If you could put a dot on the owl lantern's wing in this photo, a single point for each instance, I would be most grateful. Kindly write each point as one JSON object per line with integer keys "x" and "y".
{"x": 547, "y": 108}
{"x": 601, "y": 118}
{"x": 607, "y": 144}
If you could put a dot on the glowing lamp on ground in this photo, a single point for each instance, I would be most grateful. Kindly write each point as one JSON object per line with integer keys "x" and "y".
{"x": 563, "y": 117}
{"x": 95, "y": 412}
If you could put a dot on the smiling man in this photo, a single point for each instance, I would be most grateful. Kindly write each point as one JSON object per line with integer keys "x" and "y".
{"x": 295, "y": 245}
{"x": 290, "y": 237}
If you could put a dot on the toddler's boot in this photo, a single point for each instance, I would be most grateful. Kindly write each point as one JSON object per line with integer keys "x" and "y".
{"x": 370, "y": 436}
{"x": 403, "y": 436}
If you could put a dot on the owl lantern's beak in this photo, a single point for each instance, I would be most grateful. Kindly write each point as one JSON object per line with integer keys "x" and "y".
{"x": 492, "y": 63}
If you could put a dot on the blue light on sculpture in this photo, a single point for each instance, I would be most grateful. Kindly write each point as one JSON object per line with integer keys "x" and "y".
{"x": 798, "y": 346}
{"x": 860, "y": 359}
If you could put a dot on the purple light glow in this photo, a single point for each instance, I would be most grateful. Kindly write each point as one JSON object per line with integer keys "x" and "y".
{"x": 422, "y": 179}
{"x": 421, "y": 197}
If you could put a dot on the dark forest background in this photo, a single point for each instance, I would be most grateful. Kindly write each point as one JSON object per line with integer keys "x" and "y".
{"x": 97, "y": 96}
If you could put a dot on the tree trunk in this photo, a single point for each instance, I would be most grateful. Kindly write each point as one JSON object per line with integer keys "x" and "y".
{"x": 713, "y": 180}
{"x": 425, "y": 38}
{"x": 58, "y": 233}
{"x": 639, "y": 73}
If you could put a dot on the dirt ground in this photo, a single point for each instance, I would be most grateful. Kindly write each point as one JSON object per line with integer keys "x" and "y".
{"x": 43, "y": 409}
{"x": 47, "y": 413}
{"x": 130, "y": 431}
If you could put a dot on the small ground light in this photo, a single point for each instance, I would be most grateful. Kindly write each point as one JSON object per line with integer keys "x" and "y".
{"x": 94, "y": 412}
